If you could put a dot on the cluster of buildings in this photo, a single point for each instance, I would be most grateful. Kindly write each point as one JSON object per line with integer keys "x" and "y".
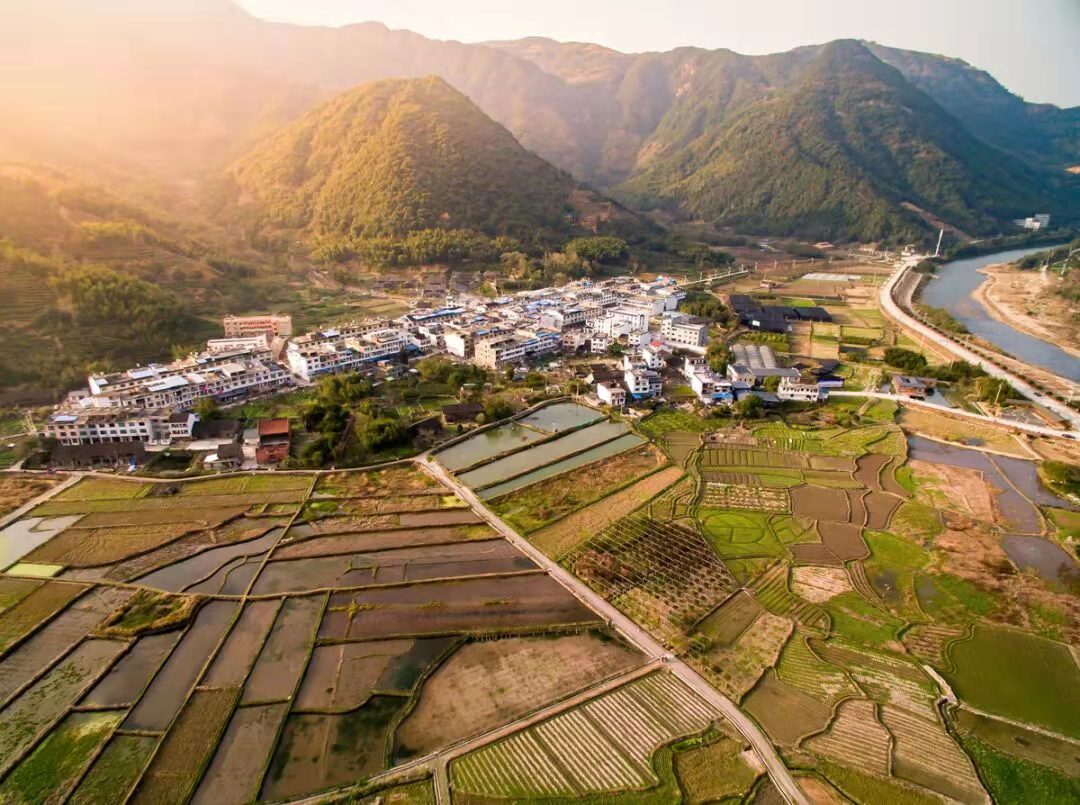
{"x": 773, "y": 318}
{"x": 153, "y": 405}
{"x": 582, "y": 316}
{"x": 259, "y": 355}
{"x": 1035, "y": 223}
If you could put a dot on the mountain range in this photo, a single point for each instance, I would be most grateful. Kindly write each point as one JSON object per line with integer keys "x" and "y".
{"x": 848, "y": 140}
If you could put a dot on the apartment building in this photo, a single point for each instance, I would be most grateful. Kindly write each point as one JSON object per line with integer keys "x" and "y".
{"x": 273, "y": 325}
{"x": 685, "y": 331}
{"x": 460, "y": 339}
{"x": 563, "y": 318}
{"x": 322, "y": 358}
{"x": 522, "y": 346}
{"x": 345, "y": 349}
{"x": 800, "y": 389}
{"x": 226, "y": 377}
{"x": 105, "y": 426}
{"x": 240, "y": 343}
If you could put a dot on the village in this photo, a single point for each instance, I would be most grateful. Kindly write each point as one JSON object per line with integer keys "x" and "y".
{"x": 630, "y": 333}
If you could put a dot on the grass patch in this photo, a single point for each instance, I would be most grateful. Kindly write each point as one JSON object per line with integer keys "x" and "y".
{"x": 1010, "y": 779}
{"x": 952, "y": 599}
{"x": 739, "y": 533}
{"x": 713, "y": 771}
{"x": 916, "y": 519}
{"x": 148, "y": 612}
{"x": 115, "y": 771}
{"x": 866, "y": 788}
{"x": 55, "y": 763}
{"x": 667, "y": 420}
{"x": 856, "y": 620}
{"x": 104, "y": 489}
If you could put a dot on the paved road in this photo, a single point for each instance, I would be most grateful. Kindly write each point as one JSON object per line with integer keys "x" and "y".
{"x": 1037, "y": 430}
{"x": 897, "y": 313}
{"x": 757, "y": 739}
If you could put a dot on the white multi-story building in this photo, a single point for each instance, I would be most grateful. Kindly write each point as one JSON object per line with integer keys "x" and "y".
{"x": 800, "y": 389}
{"x": 101, "y": 426}
{"x": 322, "y": 358}
{"x": 522, "y": 346}
{"x": 654, "y": 355}
{"x": 686, "y": 331}
{"x": 562, "y": 318}
{"x": 243, "y": 343}
{"x": 224, "y": 376}
{"x": 245, "y": 326}
{"x": 612, "y": 394}
{"x": 709, "y": 386}
{"x": 642, "y": 383}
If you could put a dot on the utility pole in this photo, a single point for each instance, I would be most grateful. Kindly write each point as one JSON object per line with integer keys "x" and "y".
{"x": 941, "y": 234}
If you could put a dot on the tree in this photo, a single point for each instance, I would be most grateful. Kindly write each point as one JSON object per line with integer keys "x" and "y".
{"x": 771, "y": 383}
{"x": 601, "y": 249}
{"x": 206, "y": 408}
{"x": 905, "y": 359}
{"x": 615, "y": 350}
{"x": 717, "y": 356}
{"x": 750, "y": 406}
{"x": 496, "y": 408}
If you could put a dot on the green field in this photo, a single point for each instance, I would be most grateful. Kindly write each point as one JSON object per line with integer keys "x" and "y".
{"x": 739, "y": 533}
{"x": 1010, "y": 779}
{"x": 1019, "y": 676}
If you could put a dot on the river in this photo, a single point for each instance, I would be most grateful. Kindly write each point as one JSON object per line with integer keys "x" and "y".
{"x": 952, "y": 290}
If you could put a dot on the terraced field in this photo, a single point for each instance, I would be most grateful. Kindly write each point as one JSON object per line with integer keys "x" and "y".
{"x": 260, "y": 656}
{"x": 602, "y": 746}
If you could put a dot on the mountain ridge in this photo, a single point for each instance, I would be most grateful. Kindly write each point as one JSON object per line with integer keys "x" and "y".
{"x": 605, "y": 117}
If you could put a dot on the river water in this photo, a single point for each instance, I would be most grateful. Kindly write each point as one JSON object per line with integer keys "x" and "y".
{"x": 952, "y": 291}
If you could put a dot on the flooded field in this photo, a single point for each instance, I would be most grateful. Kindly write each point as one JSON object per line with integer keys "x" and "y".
{"x": 241, "y": 660}
{"x": 487, "y": 444}
{"x": 620, "y": 444}
{"x": 1046, "y": 558}
{"x": 23, "y": 536}
{"x": 561, "y": 416}
{"x": 1017, "y": 511}
{"x": 546, "y": 453}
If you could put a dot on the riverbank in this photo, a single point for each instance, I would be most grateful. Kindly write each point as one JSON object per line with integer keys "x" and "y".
{"x": 1008, "y": 294}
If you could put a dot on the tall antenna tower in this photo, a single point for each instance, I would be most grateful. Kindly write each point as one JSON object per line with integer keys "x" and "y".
{"x": 941, "y": 234}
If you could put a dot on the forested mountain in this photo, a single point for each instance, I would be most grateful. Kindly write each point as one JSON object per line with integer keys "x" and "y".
{"x": 834, "y": 155}
{"x": 398, "y": 156}
{"x": 124, "y": 87}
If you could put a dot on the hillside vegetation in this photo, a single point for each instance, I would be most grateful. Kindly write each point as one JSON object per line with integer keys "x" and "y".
{"x": 834, "y": 155}
{"x": 664, "y": 128}
{"x": 402, "y": 156}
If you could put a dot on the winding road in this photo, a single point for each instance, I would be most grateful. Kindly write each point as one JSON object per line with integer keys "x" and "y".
{"x": 895, "y": 311}
{"x": 762, "y": 746}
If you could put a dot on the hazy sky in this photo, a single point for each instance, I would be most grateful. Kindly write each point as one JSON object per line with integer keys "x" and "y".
{"x": 1030, "y": 46}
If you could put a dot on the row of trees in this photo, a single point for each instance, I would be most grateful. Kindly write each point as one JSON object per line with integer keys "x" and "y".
{"x": 984, "y": 387}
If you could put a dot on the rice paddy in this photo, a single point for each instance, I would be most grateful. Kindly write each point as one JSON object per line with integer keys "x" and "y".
{"x": 253, "y": 657}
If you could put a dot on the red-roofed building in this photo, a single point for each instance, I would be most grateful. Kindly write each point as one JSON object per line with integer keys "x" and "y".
{"x": 273, "y": 441}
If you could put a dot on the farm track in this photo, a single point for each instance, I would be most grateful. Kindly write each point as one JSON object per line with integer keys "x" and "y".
{"x": 638, "y": 636}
